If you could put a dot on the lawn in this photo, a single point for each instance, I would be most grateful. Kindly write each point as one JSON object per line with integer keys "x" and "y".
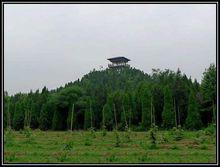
{"x": 83, "y": 147}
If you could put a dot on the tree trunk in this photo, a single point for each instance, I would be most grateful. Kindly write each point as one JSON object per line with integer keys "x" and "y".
{"x": 174, "y": 108}
{"x": 90, "y": 109}
{"x": 154, "y": 115}
{"x": 213, "y": 110}
{"x": 71, "y": 121}
{"x": 125, "y": 116}
{"x": 25, "y": 118}
{"x": 103, "y": 117}
{"x": 179, "y": 115}
{"x": 151, "y": 108}
{"x": 29, "y": 116}
{"x": 9, "y": 118}
{"x": 116, "y": 125}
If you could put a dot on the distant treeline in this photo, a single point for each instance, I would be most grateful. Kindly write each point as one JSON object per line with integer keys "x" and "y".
{"x": 129, "y": 96}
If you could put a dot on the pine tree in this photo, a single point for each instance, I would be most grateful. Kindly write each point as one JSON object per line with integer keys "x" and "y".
{"x": 193, "y": 120}
{"x": 208, "y": 87}
{"x": 71, "y": 124}
{"x": 146, "y": 101}
{"x": 168, "y": 115}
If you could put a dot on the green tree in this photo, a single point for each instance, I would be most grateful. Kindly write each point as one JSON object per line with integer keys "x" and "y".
{"x": 18, "y": 119}
{"x": 146, "y": 106}
{"x": 168, "y": 115}
{"x": 208, "y": 88}
{"x": 193, "y": 120}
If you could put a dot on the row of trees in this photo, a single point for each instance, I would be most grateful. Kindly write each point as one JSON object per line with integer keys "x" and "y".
{"x": 124, "y": 98}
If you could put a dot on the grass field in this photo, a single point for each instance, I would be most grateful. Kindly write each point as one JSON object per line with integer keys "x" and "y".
{"x": 83, "y": 147}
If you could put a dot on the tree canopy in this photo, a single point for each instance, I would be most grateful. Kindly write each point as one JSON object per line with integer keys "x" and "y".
{"x": 165, "y": 98}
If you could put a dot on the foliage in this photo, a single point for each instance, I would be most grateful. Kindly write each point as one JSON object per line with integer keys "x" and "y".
{"x": 177, "y": 133}
{"x": 117, "y": 139}
{"x": 68, "y": 146}
{"x": 210, "y": 130}
{"x": 193, "y": 120}
{"x": 8, "y": 137}
{"x": 168, "y": 110}
{"x": 165, "y": 98}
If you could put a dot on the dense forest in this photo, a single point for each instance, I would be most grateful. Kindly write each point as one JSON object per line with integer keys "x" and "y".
{"x": 118, "y": 99}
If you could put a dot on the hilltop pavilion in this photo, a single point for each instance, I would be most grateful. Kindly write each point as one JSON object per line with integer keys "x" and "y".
{"x": 118, "y": 62}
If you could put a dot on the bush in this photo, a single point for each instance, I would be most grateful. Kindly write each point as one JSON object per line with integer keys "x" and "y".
{"x": 177, "y": 133}
{"x": 127, "y": 134}
{"x": 27, "y": 132}
{"x": 164, "y": 138}
{"x": 210, "y": 130}
{"x": 200, "y": 133}
{"x": 104, "y": 131}
{"x": 117, "y": 139}
{"x": 68, "y": 146}
{"x": 28, "y": 135}
{"x": 8, "y": 137}
{"x": 153, "y": 131}
{"x": 199, "y": 140}
{"x": 92, "y": 132}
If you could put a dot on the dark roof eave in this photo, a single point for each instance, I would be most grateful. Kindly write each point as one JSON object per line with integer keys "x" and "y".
{"x": 119, "y": 59}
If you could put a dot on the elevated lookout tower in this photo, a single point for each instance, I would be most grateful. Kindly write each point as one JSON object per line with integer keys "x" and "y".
{"x": 118, "y": 62}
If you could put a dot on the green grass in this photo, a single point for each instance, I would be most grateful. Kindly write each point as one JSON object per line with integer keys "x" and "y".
{"x": 81, "y": 147}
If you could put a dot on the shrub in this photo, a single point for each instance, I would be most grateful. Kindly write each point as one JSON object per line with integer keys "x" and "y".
{"x": 210, "y": 130}
{"x": 199, "y": 140}
{"x": 164, "y": 138}
{"x": 68, "y": 146}
{"x": 177, "y": 133}
{"x": 8, "y": 137}
{"x": 92, "y": 132}
{"x": 200, "y": 133}
{"x": 27, "y": 132}
{"x": 127, "y": 134}
{"x": 153, "y": 131}
{"x": 117, "y": 139}
{"x": 104, "y": 132}
{"x": 28, "y": 135}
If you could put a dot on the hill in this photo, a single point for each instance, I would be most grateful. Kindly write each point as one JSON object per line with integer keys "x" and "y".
{"x": 126, "y": 97}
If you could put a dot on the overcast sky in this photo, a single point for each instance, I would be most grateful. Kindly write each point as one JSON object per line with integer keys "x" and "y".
{"x": 50, "y": 45}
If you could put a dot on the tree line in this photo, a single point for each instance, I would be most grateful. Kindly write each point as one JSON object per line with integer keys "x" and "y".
{"x": 121, "y": 98}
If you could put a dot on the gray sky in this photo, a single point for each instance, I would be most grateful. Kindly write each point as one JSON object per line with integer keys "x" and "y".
{"x": 54, "y": 44}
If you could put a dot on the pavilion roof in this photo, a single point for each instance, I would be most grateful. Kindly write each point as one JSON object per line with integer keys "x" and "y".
{"x": 118, "y": 59}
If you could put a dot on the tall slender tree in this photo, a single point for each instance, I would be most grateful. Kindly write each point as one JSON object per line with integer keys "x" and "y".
{"x": 168, "y": 114}
{"x": 193, "y": 120}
